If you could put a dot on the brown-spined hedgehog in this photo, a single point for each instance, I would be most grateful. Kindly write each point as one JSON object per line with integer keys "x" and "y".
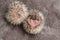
{"x": 34, "y": 23}
{"x": 17, "y": 12}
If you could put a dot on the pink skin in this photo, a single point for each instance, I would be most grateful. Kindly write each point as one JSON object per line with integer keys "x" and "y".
{"x": 33, "y": 23}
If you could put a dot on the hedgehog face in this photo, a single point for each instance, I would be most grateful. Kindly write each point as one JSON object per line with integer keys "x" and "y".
{"x": 33, "y": 21}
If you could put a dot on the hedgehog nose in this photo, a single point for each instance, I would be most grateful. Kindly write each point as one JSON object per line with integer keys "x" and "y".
{"x": 34, "y": 17}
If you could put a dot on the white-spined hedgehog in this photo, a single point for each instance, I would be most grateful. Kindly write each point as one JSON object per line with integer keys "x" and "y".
{"x": 34, "y": 23}
{"x": 17, "y": 12}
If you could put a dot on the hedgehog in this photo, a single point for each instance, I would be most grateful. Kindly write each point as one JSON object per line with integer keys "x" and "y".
{"x": 34, "y": 23}
{"x": 17, "y": 12}
{"x": 33, "y": 20}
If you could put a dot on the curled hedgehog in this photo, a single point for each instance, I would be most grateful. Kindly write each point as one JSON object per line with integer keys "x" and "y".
{"x": 17, "y": 12}
{"x": 34, "y": 23}
{"x": 33, "y": 20}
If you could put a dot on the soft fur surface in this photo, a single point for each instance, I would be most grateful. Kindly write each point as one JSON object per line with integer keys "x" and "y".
{"x": 51, "y": 11}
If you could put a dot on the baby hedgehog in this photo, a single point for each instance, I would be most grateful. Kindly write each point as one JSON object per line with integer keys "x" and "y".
{"x": 34, "y": 22}
{"x": 17, "y": 12}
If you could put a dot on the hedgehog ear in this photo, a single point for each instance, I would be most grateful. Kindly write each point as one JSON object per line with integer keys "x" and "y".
{"x": 17, "y": 12}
